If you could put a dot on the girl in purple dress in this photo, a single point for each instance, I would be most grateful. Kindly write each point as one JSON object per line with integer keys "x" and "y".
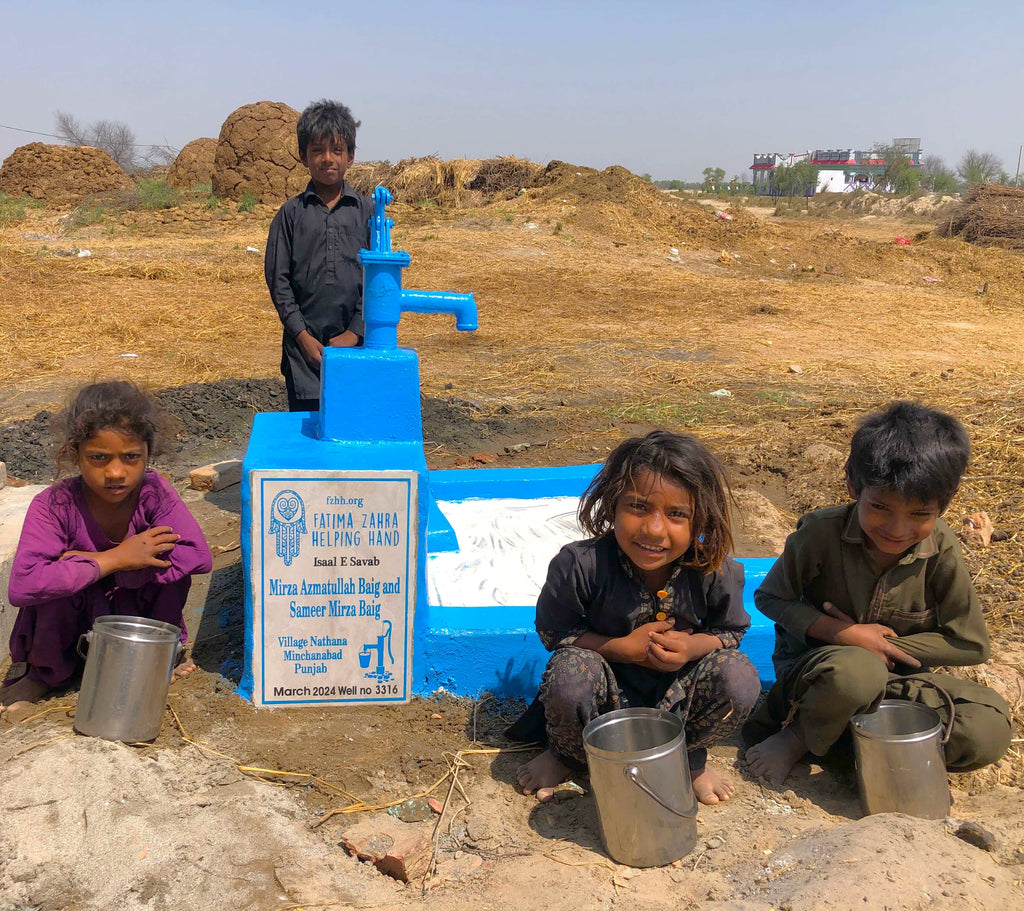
{"x": 115, "y": 539}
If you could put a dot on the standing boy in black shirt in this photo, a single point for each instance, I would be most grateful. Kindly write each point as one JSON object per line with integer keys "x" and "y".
{"x": 314, "y": 277}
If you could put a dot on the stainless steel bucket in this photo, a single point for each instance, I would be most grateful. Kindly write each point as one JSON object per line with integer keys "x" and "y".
{"x": 127, "y": 675}
{"x": 901, "y": 767}
{"x": 641, "y": 781}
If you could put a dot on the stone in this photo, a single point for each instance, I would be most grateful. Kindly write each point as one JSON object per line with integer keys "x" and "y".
{"x": 976, "y": 835}
{"x": 216, "y": 476}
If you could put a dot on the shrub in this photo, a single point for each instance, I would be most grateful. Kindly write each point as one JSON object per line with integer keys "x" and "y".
{"x": 85, "y": 215}
{"x": 12, "y": 210}
{"x": 155, "y": 194}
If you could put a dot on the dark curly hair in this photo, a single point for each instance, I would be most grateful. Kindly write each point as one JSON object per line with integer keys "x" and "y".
{"x": 326, "y": 120}
{"x": 917, "y": 452}
{"x": 117, "y": 404}
{"x": 681, "y": 459}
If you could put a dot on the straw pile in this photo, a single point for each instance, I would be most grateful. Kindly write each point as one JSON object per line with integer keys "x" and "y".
{"x": 990, "y": 215}
{"x": 365, "y": 176}
{"x": 418, "y": 180}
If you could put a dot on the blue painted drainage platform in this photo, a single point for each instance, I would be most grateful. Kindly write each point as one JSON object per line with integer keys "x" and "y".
{"x": 473, "y": 648}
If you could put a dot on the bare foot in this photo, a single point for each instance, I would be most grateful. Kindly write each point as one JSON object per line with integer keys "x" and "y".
{"x": 773, "y": 758}
{"x": 711, "y": 786}
{"x": 183, "y": 668}
{"x": 21, "y": 693}
{"x": 542, "y": 774}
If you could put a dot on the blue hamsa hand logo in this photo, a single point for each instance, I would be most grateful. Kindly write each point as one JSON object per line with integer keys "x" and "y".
{"x": 287, "y": 523}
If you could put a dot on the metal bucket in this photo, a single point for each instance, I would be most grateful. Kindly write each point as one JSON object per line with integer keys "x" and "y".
{"x": 641, "y": 781}
{"x": 127, "y": 675}
{"x": 901, "y": 767}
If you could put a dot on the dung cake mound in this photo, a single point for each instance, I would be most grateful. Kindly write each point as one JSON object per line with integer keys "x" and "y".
{"x": 193, "y": 165}
{"x": 60, "y": 175}
{"x": 257, "y": 153}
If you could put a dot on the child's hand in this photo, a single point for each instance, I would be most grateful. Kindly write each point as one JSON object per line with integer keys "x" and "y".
{"x": 346, "y": 339}
{"x": 670, "y": 650}
{"x": 148, "y": 548}
{"x": 871, "y": 636}
{"x": 310, "y": 348}
{"x": 634, "y": 647}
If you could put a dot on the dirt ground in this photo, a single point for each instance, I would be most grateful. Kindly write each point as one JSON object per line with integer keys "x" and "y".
{"x": 604, "y": 311}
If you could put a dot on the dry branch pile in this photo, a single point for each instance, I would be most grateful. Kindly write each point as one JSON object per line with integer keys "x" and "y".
{"x": 504, "y": 176}
{"x": 61, "y": 175}
{"x": 990, "y": 214}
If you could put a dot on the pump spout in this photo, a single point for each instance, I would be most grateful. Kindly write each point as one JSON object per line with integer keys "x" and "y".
{"x": 461, "y": 306}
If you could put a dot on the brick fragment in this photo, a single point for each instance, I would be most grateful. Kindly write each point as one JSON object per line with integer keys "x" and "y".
{"x": 216, "y": 476}
{"x": 399, "y": 849}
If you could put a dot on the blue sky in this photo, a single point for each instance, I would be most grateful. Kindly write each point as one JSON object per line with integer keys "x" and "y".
{"x": 658, "y": 87}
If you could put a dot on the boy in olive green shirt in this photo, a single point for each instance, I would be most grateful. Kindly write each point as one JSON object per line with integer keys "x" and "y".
{"x": 872, "y": 591}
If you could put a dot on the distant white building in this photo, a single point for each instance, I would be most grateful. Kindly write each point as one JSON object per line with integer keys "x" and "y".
{"x": 839, "y": 170}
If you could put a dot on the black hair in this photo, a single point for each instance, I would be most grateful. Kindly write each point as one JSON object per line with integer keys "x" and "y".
{"x": 917, "y": 452}
{"x": 118, "y": 404}
{"x": 681, "y": 459}
{"x": 324, "y": 120}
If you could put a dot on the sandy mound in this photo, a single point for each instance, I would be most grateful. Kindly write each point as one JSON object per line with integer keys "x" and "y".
{"x": 617, "y": 203}
{"x": 60, "y": 175}
{"x": 194, "y": 164}
{"x": 257, "y": 152}
{"x": 160, "y": 830}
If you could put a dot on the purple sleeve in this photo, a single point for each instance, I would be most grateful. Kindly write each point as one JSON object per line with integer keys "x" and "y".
{"x": 39, "y": 574}
{"x": 159, "y": 504}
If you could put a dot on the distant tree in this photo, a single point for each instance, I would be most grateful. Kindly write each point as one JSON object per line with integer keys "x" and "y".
{"x": 677, "y": 185}
{"x": 646, "y": 177}
{"x": 978, "y": 167}
{"x": 935, "y": 176}
{"x": 713, "y": 178}
{"x": 115, "y": 138}
{"x": 800, "y": 179}
{"x": 900, "y": 176}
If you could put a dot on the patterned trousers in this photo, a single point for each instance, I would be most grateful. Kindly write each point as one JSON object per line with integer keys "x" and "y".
{"x": 712, "y": 697}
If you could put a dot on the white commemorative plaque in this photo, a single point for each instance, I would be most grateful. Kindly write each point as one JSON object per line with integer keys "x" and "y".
{"x": 333, "y": 585}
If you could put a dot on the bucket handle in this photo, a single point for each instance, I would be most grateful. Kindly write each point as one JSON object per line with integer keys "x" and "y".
{"x": 942, "y": 692}
{"x": 633, "y": 773}
{"x": 85, "y": 637}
